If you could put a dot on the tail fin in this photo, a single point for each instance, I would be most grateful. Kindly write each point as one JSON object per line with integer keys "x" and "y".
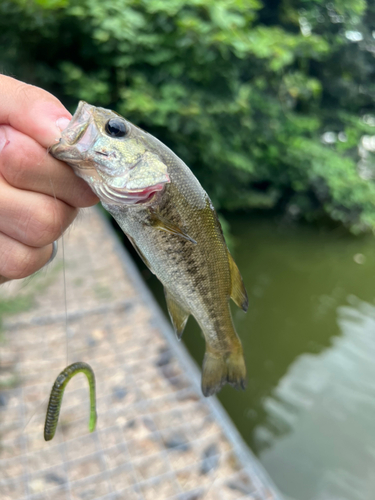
{"x": 219, "y": 370}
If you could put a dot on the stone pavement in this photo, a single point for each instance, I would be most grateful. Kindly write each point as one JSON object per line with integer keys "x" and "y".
{"x": 157, "y": 437}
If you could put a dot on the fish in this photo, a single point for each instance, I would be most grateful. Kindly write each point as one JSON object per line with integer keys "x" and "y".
{"x": 171, "y": 222}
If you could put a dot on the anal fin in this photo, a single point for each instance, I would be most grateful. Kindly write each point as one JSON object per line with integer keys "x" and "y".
{"x": 177, "y": 314}
{"x": 238, "y": 290}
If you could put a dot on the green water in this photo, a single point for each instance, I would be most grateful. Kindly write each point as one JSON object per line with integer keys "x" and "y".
{"x": 309, "y": 341}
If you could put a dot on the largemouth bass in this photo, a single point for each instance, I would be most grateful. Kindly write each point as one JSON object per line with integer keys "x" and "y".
{"x": 170, "y": 220}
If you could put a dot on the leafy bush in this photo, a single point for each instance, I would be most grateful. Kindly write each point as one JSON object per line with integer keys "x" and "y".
{"x": 242, "y": 90}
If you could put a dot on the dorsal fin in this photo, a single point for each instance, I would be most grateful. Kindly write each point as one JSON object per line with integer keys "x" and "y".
{"x": 177, "y": 313}
{"x": 238, "y": 291}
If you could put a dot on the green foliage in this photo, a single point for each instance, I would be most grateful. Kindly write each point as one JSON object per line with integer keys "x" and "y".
{"x": 242, "y": 90}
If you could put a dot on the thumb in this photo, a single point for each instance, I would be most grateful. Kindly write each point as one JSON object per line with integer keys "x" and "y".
{"x": 32, "y": 111}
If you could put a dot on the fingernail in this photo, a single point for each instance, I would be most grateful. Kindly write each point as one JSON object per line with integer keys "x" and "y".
{"x": 62, "y": 123}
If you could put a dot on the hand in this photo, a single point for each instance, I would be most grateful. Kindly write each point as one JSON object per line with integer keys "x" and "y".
{"x": 31, "y": 219}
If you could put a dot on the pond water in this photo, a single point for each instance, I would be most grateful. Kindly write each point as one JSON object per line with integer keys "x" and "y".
{"x": 309, "y": 340}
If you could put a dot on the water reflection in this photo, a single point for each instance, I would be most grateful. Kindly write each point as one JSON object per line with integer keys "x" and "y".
{"x": 323, "y": 415}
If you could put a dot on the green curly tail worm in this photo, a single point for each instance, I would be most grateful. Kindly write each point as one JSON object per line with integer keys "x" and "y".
{"x": 57, "y": 393}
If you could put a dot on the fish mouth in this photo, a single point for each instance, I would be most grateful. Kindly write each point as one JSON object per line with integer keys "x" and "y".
{"x": 77, "y": 137}
{"x": 78, "y": 124}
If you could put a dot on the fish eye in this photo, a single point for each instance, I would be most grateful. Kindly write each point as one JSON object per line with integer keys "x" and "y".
{"x": 115, "y": 127}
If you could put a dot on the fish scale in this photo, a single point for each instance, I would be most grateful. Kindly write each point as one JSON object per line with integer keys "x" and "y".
{"x": 172, "y": 224}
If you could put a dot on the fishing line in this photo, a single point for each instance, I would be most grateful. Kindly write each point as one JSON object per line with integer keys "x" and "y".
{"x": 65, "y": 294}
{"x": 64, "y": 273}
{"x": 57, "y": 392}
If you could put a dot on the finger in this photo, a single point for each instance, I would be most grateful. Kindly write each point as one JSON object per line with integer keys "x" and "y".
{"x": 31, "y": 110}
{"x": 31, "y": 218}
{"x": 18, "y": 260}
{"x": 25, "y": 164}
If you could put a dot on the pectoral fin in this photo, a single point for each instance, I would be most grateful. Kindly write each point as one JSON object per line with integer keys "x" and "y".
{"x": 161, "y": 223}
{"x": 238, "y": 290}
{"x": 177, "y": 313}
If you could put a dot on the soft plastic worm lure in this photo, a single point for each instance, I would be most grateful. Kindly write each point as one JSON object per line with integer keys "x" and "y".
{"x": 57, "y": 393}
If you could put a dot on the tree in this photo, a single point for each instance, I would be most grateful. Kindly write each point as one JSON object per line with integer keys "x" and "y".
{"x": 269, "y": 103}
